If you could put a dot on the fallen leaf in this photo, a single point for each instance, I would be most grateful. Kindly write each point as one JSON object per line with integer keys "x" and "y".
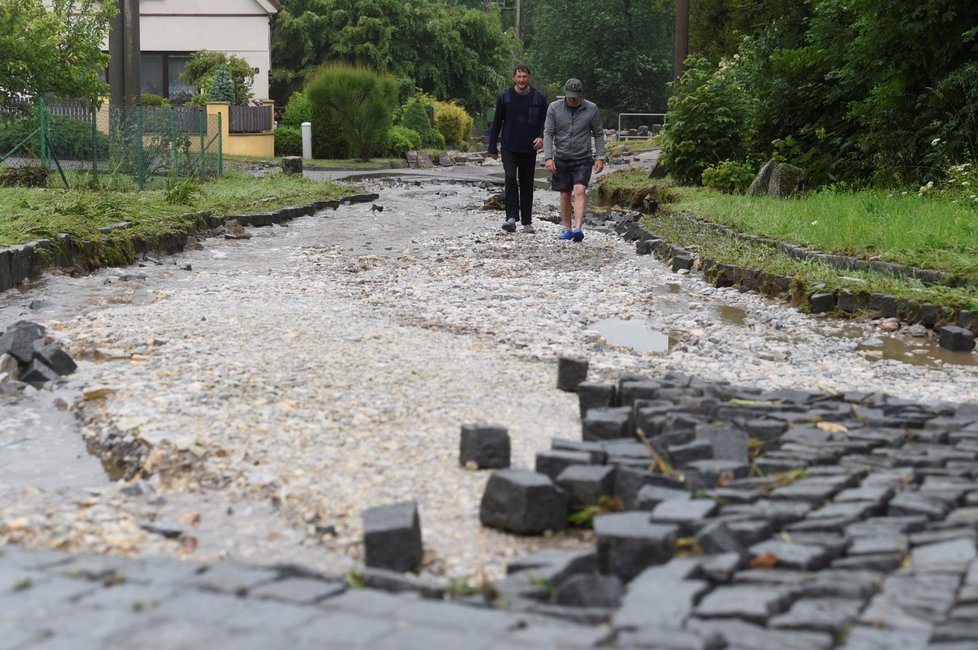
{"x": 831, "y": 427}
{"x": 764, "y": 561}
{"x": 97, "y": 392}
{"x": 191, "y": 518}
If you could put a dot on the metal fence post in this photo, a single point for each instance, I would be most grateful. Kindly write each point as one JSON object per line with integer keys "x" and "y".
{"x": 202, "y": 130}
{"x": 43, "y": 128}
{"x": 220, "y": 145}
{"x": 173, "y": 142}
{"x": 94, "y": 116}
{"x": 140, "y": 171}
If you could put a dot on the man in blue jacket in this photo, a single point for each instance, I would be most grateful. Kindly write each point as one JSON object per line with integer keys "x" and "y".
{"x": 517, "y": 128}
{"x": 571, "y": 123}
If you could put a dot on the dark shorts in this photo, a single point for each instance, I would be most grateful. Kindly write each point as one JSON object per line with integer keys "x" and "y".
{"x": 568, "y": 173}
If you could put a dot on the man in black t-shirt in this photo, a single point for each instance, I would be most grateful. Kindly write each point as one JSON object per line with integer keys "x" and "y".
{"x": 517, "y": 128}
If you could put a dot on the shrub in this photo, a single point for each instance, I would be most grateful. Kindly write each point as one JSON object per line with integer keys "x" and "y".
{"x": 200, "y": 71}
{"x": 415, "y": 117}
{"x": 297, "y": 110}
{"x": 222, "y": 88}
{"x": 358, "y": 100}
{"x": 149, "y": 99}
{"x": 708, "y": 121}
{"x": 728, "y": 176}
{"x": 401, "y": 139}
{"x": 288, "y": 140}
{"x": 71, "y": 139}
{"x": 29, "y": 175}
{"x": 454, "y": 124}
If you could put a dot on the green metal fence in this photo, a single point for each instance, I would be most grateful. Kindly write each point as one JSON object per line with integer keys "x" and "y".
{"x": 79, "y": 142}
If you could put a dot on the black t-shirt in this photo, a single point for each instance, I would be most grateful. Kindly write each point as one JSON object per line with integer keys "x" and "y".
{"x": 518, "y": 121}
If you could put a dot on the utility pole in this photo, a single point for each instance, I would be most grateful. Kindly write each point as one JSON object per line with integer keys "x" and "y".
{"x": 124, "y": 82}
{"x": 516, "y": 20}
{"x": 682, "y": 40}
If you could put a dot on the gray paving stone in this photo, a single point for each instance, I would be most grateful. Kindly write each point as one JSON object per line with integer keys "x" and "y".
{"x": 344, "y": 629}
{"x": 689, "y": 515}
{"x": 749, "y": 531}
{"x": 392, "y": 537}
{"x": 664, "y": 639}
{"x": 458, "y": 617}
{"x": 774, "y": 577}
{"x": 720, "y": 568}
{"x": 864, "y": 637}
{"x": 741, "y": 635}
{"x": 553, "y": 462}
{"x": 162, "y": 632}
{"x": 592, "y": 394}
{"x": 753, "y": 603}
{"x": 485, "y": 445}
{"x": 607, "y": 424}
{"x": 590, "y": 590}
{"x": 299, "y": 591}
{"x": 778, "y": 513}
{"x": 877, "y": 544}
{"x": 706, "y": 474}
{"x": 911, "y": 503}
{"x": 936, "y": 535}
{"x": 839, "y": 583}
{"x": 563, "y": 635}
{"x": 794, "y": 556}
{"x": 228, "y": 578}
{"x": 953, "y": 631}
{"x": 658, "y": 603}
{"x": 875, "y": 525}
{"x": 851, "y": 511}
{"x": 963, "y": 517}
{"x": 884, "y": 562}
{"x": 912, "y": 601}
{"x": 233, "y": 612}
{"x": 413, "y": 637}
{"x": 955, "y": 555}
{"x": 877, "y": 494}
{"x": 628, "y": 543}
{"x": 829, "y": 615}
{"x": 521, "y": 501}
{"x": 716, "y": 537}
{"x": 586, "y": 484}
{"x": 595, "y": 449}
{"x": 649, "y": 496}
{"x": 803, "y": 491}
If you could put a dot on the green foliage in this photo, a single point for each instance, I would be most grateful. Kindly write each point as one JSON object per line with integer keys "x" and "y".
{"x": 358, "y": 100}
{"x": 708, "y": 122}
{"x": 414, "y": 115}
{"x": 200, "y": 71}
{"x": 71, "y": 139}
{"x": 453, "y": 123}
{"x": 728, "y": 176}
{"x": 621, "y": 50}
{"x": 28, "y": 175}
{"x": 297, "y": 111}
{"x": 149, "y": 99}
{"x": 401, "y": 139}
{"x": 288, "y": 140}
{"x": 222, "y": 88}
{"x": 55, "y": 50}
{"x": 448, "y": 50}
{"x": 181, "y": 191}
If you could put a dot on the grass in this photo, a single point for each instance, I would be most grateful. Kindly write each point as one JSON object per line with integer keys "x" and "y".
{"x": 44, "y": 213}
{"x": 614, "y": 148}
{"x": 346, "y": 163}
{"x": 932, "y": 232}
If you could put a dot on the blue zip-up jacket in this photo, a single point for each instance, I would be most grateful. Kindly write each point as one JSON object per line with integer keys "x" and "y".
{"x": 518, "y": 120}
{"x": 567, "y": 134}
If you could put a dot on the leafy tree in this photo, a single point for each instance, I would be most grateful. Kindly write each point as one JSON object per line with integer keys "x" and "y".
{"x": 709, "y": 121}
{"x": 448, "y": 50}
{"x": 414, "y": 116}
{"x": 298, "y": 110}
{"x": 200, "y": 71}
{"x": 57, "y": 51}
{"x": 222, "y": 88}
{"x": 358, "y": 99}
{"x": 621, "y": 50}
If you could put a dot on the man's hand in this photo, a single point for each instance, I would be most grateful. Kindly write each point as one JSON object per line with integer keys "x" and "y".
{"x": 598, "y": 165}
{"x": 494, "y": 156}
{"x": 538, "y": 144}
{"x": 550, "y": 166}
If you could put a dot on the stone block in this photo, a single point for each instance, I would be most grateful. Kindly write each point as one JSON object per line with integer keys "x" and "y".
{"x": 629, "y": 481}
{"x": 649, "y": 496}
{"x": 687, "y": 514}
{"x": 590, "y": 590}
{"x": 957, "y": 339}
{"x": 485, "y": 445}
{"x": 829, "y": 615}
{"x": 628, "y": 543}
{"x": 292, "y": 165}
{"x": 680, "y": 455}
{"x": 651, "y": 601}
{"x": 682, "y": 263}
{"x": 54, "y": 356}
{"x": 715, "y": 538}
{"x": 821, "y": 303}
{"x": 392, "y": 537}
{"x": 595, "y": 449}
{"x": 522, "y": 501}
{"x": 586, "y": 484}
{"x": 592, "y": 394}
{"x": 705, "y": 474}
{"x": 804, "y": 557}
{"x": 37, "y": 374}
{"x": 18, "y": 340}
{"x": 571, "y": 372}
{"x": 6, "y": 281}
{"x": 607, "y": 424}
{"x": 753, "y": 603}
{"x": 728, "y": 443}
{"x": 553, "y": 462}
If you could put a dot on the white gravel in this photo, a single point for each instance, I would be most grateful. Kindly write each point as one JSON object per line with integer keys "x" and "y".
{"x": 324, "y": 368}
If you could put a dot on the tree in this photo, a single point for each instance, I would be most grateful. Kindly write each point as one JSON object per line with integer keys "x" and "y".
{"x": 203, "y": 66}
{"x": 623, "y": 55}
{"x": 449, "y": 51}
{"x": 222, "y": 88}
{"x": 57, "y": 51}
{"x": 359, "y": 100}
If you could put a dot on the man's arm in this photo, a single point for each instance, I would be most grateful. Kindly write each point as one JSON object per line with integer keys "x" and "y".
{"x": 598, "y": 132}
{"x": 549, "y": 127}
{"x": 497, "y": 124}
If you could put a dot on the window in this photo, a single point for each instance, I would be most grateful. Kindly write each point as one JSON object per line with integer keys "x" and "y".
{"x": 160, "y": 72}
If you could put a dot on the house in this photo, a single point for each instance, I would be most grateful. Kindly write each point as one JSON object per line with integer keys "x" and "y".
{"x": 170, "y": 31}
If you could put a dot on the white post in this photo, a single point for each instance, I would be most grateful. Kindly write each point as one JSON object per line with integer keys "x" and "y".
{"x": 307, "y": 140}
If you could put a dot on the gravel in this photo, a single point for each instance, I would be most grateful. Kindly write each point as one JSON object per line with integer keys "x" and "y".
{"x": 291, "y": 381}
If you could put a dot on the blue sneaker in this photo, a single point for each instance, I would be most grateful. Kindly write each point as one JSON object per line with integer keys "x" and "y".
{"x": 566, "y": 235}
{"x": 578, "y": 235}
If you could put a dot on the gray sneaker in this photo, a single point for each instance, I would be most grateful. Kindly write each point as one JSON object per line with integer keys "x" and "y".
{"x": 528, "y": 228}
{"x": 510, "y": 225}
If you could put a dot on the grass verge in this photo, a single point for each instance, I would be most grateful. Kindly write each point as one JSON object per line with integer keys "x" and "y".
{"x": 29, "y": 214}
{"x": 925, "y": 232}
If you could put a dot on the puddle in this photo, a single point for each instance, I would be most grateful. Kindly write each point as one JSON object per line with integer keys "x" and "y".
{"x": 733, "y": 315}
{"x": 632, "y": 334}
{"x": 917, "y": 352}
